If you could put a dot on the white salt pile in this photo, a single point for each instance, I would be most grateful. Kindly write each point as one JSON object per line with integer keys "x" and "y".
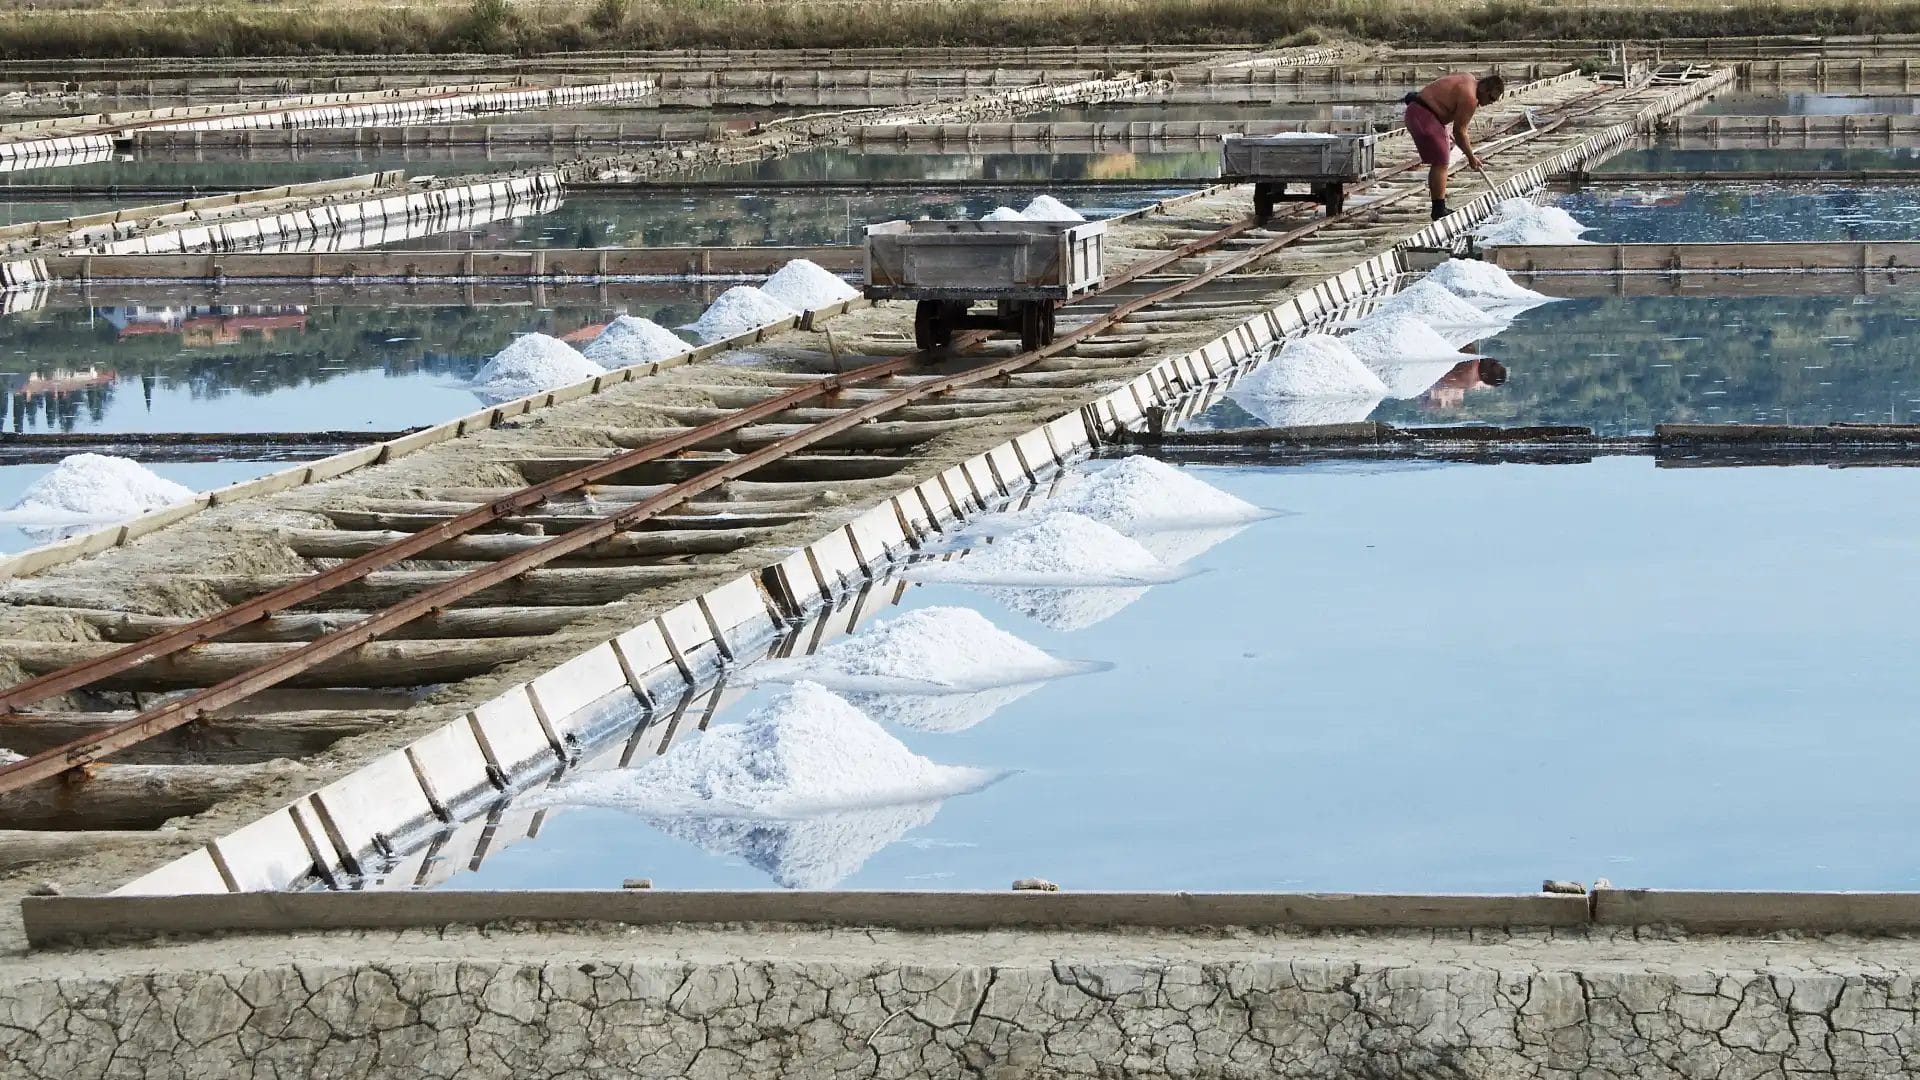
{"x": 1519, "y": 221}
{"x": 1308, "y": 412}
{"x": 1453, "y": 318}
{"x": 8, "y": 757}
{"x": 1003, "y": 213}
{"x": 1141, "y": 494}
{"x": 1061, "y": 549}
{"x": 807, "y": 752}
{"x": 936, "y": 650}
{"x": 1048, "y": 208}
{"x": 628, "y": 340}
{"x": 1407, "y": 354}
{"x": 1312, "y": 366}
{"x": 94, "y": 488}
{"x": 804, "y": 285}
{"x": 1484, "y": 285}
{"x": 1167, "y": 510}
{"x": 534, "y": 362}
{"x": 739, "y": 309}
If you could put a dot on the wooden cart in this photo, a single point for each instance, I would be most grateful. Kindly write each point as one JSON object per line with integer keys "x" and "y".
{"x": 1024, "y": 268}
{"x": 1323, "y": 162}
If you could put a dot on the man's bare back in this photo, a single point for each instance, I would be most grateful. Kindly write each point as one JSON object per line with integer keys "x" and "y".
{"x": 1452, "y": 97}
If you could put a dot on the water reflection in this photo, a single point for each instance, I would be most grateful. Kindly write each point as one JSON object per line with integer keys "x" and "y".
{"x": 1664, "y": 157}
{"x": 274, "y": 367}
{"x": 1807, "y": 103}
{"x": 1728, "y": 213}
{"x": 881, "y": 163}
{"x": 1621, "y": 365}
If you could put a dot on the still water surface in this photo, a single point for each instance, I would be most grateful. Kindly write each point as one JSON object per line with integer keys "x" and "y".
{"x": 1449, "y": 678}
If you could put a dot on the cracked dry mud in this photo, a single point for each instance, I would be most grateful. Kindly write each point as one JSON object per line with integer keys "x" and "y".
{"x": 537, "y": 1003}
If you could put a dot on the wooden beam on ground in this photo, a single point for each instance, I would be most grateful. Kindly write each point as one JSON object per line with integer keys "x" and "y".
{"x": 213, "y": 740}
{"x": 380, "y": 663}
{"x": 487, "y": 547}
{"x": 381, "y": 589}
{"x": 130, "y": 796}
{"x": 24, "y": 847}
{"x": 126, "y": 627}
{"x": 816, "y": 468}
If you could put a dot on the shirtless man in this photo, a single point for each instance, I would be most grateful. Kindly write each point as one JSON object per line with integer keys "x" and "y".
{"x": 1450, "y": 99}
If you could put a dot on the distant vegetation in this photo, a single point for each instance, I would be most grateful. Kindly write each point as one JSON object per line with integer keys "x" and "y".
{"x": 42, "y": 29}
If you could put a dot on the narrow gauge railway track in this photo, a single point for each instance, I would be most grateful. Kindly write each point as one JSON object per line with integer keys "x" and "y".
{"x": 660, "y": 510}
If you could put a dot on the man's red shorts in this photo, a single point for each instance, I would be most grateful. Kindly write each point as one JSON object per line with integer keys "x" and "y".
{"x": 1429, "y": 135}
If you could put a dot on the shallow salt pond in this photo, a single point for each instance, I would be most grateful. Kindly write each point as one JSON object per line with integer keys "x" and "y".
{"x": 1433, "y": 678}
{"x": 1734, "y": 213}
{"x": 1621, "y": 365}
{"x": 274, "y": 365}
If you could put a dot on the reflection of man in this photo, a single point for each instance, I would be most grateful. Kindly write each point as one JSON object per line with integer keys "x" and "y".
{"x": 1450, "y": 392}
{"x": 1448, "y": 100}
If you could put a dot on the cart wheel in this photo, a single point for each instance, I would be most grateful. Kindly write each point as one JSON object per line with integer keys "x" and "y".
{"x": 1334, "y": 196}
{"x": 1033, "y": 325}
{"x": 1047, "y": 313}
{"x": 1263, "y": 202}
{"x": 931, "y": 330}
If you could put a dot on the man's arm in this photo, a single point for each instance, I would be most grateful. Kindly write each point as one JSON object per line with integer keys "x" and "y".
{"x": 1460, "y": 135}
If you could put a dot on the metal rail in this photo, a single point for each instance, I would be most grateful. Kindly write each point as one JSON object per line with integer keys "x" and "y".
{"x": 55, "y": 761}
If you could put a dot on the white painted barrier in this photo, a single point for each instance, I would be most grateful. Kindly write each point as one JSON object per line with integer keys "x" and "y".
{"x": 418, "y": 110}
{"x": 138, "y": 238}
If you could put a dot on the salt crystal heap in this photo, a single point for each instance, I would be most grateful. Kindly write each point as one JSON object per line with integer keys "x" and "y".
{"x": 1065, "y": 571}
{"x": 1485, "y": 286}
{"x": 1453, "y": 318}
{"x": 533, "y": 363}
{"x": 1408, "y": 355}
{"x": 1312, "y": 380}
{"x": 740, "y": 309}
{"x": 1048, "y": 208}
{"x": 1061, "y": 549}
{"x": 94, "y": 488}
{"x": 807, "y": 788}
{"x": 1003, "y": 213}
{"x": 932, "y": 650}
{"x": 803, "y": 286}
{"x": 628, "y": 340}
{"x": 936, "y": 669}
{"x": 1520, "y": 221}
{"x": 1166, "y": 510}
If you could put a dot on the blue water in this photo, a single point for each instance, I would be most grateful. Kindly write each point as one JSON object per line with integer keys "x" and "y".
{"x": 1436, "y": 678}
{"x": 180, "y": 364}
{"x": 1623, "y": 364}
{"x": 1736, "y": 213}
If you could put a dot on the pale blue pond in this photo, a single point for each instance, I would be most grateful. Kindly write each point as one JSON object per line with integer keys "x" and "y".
{"x": 1465, "y": 677}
